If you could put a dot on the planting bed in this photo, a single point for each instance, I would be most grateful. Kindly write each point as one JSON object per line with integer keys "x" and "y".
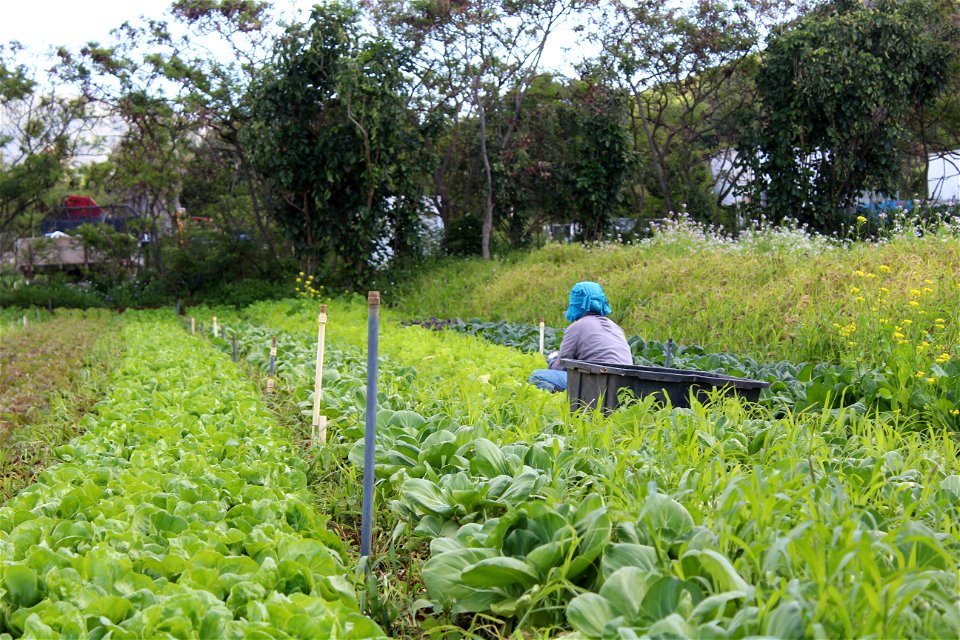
{"x": 50, "y": 374}
{"x": 716, "y": 521}
{"x": 185, "y": 510}
{"x": 181, "y": 512}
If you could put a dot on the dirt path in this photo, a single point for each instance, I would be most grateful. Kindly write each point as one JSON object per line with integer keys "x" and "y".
{"x": 47, "y": 381}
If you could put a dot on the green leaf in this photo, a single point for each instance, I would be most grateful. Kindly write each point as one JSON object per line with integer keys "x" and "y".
{"x": 488, "y": 460}
{"x": 590, "y": 613}
{"x": 723, "y": 573}
{"x": 622, "y": 555}
{"x": 666, "y": 516}
{"x": 499, "y": 572}
{"x": 21, "y": 585}
{"x": 442, "y": 574}
{"x": 786, "y": 621}
{"x": 626, "y": 589}
{"x": 427, "y": 496}
{"x": 114, "y": 608}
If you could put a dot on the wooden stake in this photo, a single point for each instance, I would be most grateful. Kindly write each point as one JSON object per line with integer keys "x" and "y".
{"x": 319, "y": 426}
{"x": 273, "y": 363}
{"x": 193, "y": 325}
{"x": 541, "y": 335}
{"x": 24, "y": 319}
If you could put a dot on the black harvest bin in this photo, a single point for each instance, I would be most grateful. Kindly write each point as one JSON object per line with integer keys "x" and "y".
{"x": 589, "y": 381}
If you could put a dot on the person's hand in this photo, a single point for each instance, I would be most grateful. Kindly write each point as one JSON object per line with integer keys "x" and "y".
{"x": 552, "y": 357}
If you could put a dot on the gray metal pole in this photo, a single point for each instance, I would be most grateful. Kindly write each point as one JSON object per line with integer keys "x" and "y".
{"x": 370, "y": 432}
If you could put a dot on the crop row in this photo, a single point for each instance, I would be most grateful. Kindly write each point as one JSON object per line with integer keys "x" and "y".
{"x": 183, "y": 511}
{"x": 720, "y": 520}
{"x": 930, "y": 396}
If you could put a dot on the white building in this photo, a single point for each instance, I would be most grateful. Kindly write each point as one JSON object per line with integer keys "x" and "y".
{"x": 943, "y": 176}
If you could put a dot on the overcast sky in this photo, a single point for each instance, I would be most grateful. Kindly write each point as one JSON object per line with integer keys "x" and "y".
{"x": 42, "y": 24}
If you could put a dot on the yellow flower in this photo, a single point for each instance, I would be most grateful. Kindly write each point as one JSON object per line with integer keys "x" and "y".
{"x": 299, "y": 280}
{"x": 898, "y": 335}
{"x": 871, "y": 275}
{"x": 854, "y": 289}
{"x": 931, "y": 380}
{"x": 915, "y": 292}
{"x": 858, "y": 273}
{"x": 928, "y": 282}
{"x": 860, "y": 298}
{"x": 927, "y": 290}
{"x": 943, "y": 358}
{"x": 884, "y": 290}
{"x": 883, "y": 269}
{"x": 940, "y": 326}
{"x": 914, "y": 303}
{"x": 940, "y": 320}
{"x": 908, "y": 321}
{"x": 955, "y": 412}
{"x": 920, "y": 374}
{"x": 861, "y": 220}
{"x": 301, "y": 274}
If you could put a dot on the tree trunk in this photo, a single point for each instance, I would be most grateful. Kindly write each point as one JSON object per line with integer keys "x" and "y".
{"x": 654, "y": 152}
{"x": 258, "y": 217}
{"x": 488, "y": 173}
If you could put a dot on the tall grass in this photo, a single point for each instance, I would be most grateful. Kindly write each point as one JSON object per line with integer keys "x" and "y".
{"x": 771, "y": 293}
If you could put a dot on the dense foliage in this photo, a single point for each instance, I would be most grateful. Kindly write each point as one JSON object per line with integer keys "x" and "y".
{"x": 650, "y": 521}
{"x": 181, "y": 511}
{"x": 332, "y": 136}
{"x": 836, "y": 90}
{"x": 348, "y": 138}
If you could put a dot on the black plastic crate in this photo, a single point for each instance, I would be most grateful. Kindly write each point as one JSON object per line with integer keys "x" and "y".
{"x": 588, "y": 382}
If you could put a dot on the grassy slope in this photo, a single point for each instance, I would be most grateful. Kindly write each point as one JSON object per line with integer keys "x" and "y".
{"x": 771, "y": 295}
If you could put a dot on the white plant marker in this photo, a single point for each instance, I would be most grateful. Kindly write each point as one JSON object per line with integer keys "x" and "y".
{"x": 318, "y": 428}
{"x": 541, "y": 335}
{"x": 273, "y": 362}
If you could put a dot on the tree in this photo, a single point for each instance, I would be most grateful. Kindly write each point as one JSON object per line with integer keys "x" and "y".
{"x": 331, "y": 134}
{"x": 216, "y": 86}
{"x": 569, "y": 159}
{"x": 685, "y": 67}
{"x": 473, "y": 54}
{"x": 837, "y": 87}
{"x": 41, "y": 131}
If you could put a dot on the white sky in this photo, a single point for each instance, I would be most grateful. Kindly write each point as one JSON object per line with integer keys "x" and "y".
{"x": 43, "y": 25}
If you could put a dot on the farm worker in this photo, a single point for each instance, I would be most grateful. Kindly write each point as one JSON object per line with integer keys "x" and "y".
{"x": 592, "y": 336}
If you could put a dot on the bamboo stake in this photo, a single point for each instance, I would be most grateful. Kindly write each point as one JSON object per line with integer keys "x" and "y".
{"x": 318, "y": 429}
{"x": 541, "y": 335}
{"x": 273, "y": 363}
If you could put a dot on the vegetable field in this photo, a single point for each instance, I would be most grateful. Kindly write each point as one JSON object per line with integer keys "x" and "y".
{"x": 196, "y": 505}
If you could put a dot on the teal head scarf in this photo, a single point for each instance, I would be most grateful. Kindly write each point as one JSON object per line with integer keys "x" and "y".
{"x": 586, "y": 297}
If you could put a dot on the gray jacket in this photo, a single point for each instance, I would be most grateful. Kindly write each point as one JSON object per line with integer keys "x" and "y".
{"x": 596, "y": 339}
